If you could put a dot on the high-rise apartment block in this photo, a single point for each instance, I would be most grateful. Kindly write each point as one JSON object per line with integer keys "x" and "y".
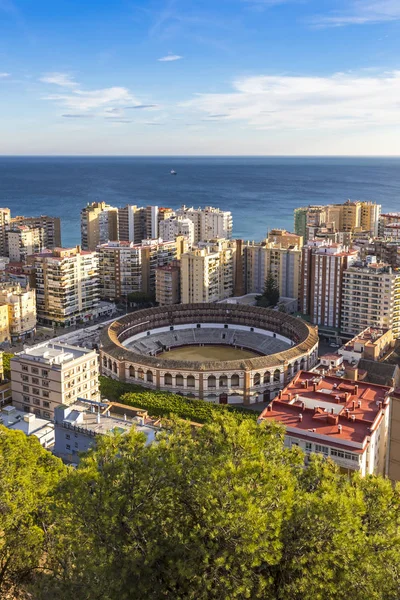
{"x": 51, "y": 228}
{"x": 280, "y": 254}
{"x": 209, "y": 223}
{"x": 370, "y": 297}
{"x": 350, "y": 217}
{"x": 321, "y": 281}
{"x": 392, "y": 218}
{"x": 53, "y": 374}
{"x": 23, "y": 241}
{"x": 137, "y": 223}
{"x": 5, "y": 219}
{"x": 21, "y": 311}
{"x": 99, "y": 223}
{"x": 67, "y": 285}
{"x": 208, "y": 272}
{"x": 168, "y": 284}
{"x": 125, "y": 267}
{"x": 170, "y": 228}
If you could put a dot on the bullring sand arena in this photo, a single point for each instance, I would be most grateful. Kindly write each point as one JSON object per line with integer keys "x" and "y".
{"x": 222, "y": 353}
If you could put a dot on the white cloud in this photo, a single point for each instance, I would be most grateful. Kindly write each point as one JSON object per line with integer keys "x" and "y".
{"x": 360, "y": 12}
{"x": 341, "y": 101}
{"x": 61, "y": 79}
{"x": 4, "y": 75}
{"x": 170, "y": 58}
{"x": 81, "y": 100}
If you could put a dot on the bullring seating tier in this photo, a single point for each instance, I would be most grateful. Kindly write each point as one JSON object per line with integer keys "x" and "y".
{"x": 156, "y": 343}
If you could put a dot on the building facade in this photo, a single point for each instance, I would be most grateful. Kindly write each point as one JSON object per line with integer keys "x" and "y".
{"x": 345, "y": 421}
{"x": 168, "y": 284}
{"x": 51, "y": 228}
{"x": 170, "y": 228}
{"x": 209, "y": 223}
{"x": 21, "y": 311}
{"x": 323, "y": 265}
{"x": 208, "y": 272}
{"x": 370, "y": 297}
{"x": 99, "y": 224}
{"x": 23, "y": 241}
{"x": 67, "y": 285}
{"x": 53, "y": 374}
{"x": 125, "y": 267}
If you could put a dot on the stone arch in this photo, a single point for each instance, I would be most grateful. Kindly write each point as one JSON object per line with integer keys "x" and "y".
{"x": 235, "y": 380}
{"x": 105, "y": 362}
{"x": 211, "y": 381}
{"x": 190, "y": 381}
{"x": 179, "y": 381}
{"x": 131, "y": 371}
{"x": 257, "y": 379}
{"x": 302, "y": 363}
{"x": 110, "y": 364}
{"x": 267, "y": 377}
{"x": 140, "y": 374}
{"x": 277, "y": 375}
{"x": 149, "y": 376}
{"x": 168, "y": 379}
{"x": 115, "y": 367}
{"x": 223, "y": 381}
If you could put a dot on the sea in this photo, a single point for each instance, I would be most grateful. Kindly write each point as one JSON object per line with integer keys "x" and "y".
{"x": 261, "y": 192}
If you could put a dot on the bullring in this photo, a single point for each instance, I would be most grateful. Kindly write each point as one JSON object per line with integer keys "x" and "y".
{"x": 276, "y": 346}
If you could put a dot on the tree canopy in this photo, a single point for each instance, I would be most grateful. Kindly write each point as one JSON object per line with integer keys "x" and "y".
{"x": 219, "y": 512}
{"x": 270, "y": 295}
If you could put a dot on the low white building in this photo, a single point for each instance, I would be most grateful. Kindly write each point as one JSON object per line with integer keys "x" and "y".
{"x": 78, "y": 425}
{"x": 29, "y": 424}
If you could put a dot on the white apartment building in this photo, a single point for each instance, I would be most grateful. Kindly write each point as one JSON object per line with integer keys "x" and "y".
{"x": 208, "y": 272}
{"x": 338, "y": 418}
{"x": 170, "y": 228}
{"x": 53, "y": 374}
{"x": 23, "y": 241}
{"x": 125, "y": 267}
{"x": 370, "y": 298}
{"x": 67, "y": 285}
{"x": 77, "y": 426}
{"x": 21, "y": 306}
{"x": 209, "y": 223}
{"x": 137, "y": 223}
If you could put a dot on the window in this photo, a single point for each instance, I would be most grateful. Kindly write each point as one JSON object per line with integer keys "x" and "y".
{"x": 308, "y": 447}
{"x": 323, "y": 449}
{"x": 35, "y": 380}
{"x": 36, "y": 401}
{"x": 46, "y": 404}
{"x": 24, "y": 377}
{"x": 26, "y": 398}
{"x": 45, "y": 373}
{"x": 45, "y": 383}
{"x": 35, "y": 370}
{"x": 76, "y": 445}
{"x": 67, "y": 436}
{"x": 68, "y": 446}
{"x": 46, "y": 414}
{"x": 25, "y": 388}
{"x": 36, "y": 391}
{"x": 24, "y": 368}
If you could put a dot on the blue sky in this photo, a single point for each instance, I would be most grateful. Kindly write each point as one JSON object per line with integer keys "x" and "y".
{"x": 200, "y": 77}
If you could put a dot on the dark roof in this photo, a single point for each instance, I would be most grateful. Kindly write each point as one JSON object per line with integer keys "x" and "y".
{"x": 380, "y": 373}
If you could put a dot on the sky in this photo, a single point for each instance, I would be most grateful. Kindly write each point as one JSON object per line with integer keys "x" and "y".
{"x": 200, "y": 77}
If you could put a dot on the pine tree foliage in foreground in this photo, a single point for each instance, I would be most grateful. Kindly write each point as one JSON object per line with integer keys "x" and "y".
{"x": 219, "y": 512}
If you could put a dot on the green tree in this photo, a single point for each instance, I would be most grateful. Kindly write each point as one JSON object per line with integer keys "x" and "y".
{"x": 7, "y": 356}
{"x": 194, "y": 516}
{"x": 270, "y": 295}
{"x": 28, "y": 477}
